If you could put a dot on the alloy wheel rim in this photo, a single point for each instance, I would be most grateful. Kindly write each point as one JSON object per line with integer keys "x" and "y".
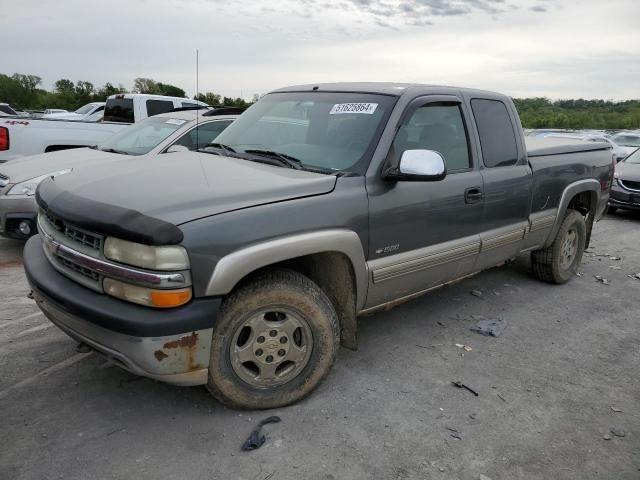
{"x": 271, "y": 347}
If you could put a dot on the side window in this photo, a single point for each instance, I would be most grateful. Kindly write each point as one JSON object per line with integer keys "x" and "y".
{"x": 497, "y": 138}
{"x": 155, "y": 107}
{"x": 189, "y": 105}
{"x": 439, "y": 127}
{"x": 202, "y": 135}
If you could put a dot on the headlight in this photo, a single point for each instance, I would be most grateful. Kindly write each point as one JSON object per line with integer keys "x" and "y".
{"x": 146, "y": 256}
{"x": 146, "y": 296}
{"x": 28, "y": 187}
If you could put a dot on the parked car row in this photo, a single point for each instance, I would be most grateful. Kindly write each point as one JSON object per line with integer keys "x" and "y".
{"x": 86, "y": 112}
{"x": 160, "y": 134}
{"x": 24, "y": 137}
{"x": 243, "y": 265}
{"x": 622, "y": 143}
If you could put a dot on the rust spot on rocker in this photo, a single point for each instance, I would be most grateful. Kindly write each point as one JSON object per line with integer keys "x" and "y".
{"x": 188, "y": 342}
{"x": 160, "y": 355}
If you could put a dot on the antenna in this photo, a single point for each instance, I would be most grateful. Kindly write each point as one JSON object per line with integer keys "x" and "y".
{"x": 197, "y": 97}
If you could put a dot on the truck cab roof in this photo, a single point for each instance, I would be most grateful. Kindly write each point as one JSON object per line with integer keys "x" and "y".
{"x": 381, "y": 88}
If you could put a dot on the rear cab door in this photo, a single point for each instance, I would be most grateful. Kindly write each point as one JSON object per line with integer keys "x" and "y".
{"x": 506, "y": 176}
{"x": 423, "y": 234}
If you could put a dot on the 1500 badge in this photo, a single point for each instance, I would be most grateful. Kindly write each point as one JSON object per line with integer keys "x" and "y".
{"x": 388, "y": 249}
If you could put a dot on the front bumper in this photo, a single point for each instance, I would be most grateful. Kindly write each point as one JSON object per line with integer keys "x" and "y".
{"x": 623, "y": 199}
{"x": 170, "y": 345}
{"x": 13, "y": 210}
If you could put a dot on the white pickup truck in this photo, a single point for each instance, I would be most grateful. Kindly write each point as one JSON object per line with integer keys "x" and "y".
{"x": 21, "y": 137}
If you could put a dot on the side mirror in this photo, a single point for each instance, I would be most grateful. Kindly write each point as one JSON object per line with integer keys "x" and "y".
{"x": 419, "y": 165}
{"x": 176, "y": 148}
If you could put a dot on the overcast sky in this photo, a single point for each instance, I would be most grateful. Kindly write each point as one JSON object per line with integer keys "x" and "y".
{"x": 552, "y": 48}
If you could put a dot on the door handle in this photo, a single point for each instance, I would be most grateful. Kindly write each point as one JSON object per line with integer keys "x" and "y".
{"x": 473, "y": 195}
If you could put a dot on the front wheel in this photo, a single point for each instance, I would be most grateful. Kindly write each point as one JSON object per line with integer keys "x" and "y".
{"x": 559, "y": 262}
{"x": 275, "y": 340}
{"x": 612, "y": 209}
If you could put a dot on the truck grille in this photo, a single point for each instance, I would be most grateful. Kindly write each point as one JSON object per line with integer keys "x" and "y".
{"x": 77, "y": 239}
{"x": 630, "y": 185}
{"x": 86, "y": 272}
{"x": 76, "y": 234}
{"x": 77, "y": 254}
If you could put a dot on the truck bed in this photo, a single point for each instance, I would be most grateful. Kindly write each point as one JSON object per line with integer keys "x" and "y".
{"x": 558, "y": 162}
{"x": 539, "y": 147}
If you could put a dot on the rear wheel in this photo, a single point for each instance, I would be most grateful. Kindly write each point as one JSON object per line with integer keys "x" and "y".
{"x": 559, "y": 262}
{"x": 275, "y": 341}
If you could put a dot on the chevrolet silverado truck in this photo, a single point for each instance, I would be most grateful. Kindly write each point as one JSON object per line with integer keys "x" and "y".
{"x": 20, "y": 137}
{"x": 243, "y": 266}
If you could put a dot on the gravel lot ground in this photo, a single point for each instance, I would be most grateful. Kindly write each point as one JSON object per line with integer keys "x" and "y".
{"x": 561, "y": 376}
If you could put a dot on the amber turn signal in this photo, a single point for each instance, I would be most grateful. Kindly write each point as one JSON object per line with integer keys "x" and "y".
{"x": 146, "y": 296}
{"x": 172, "y": 298}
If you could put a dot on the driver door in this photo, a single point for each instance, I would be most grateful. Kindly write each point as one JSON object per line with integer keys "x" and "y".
{"x": 426, "y": 233}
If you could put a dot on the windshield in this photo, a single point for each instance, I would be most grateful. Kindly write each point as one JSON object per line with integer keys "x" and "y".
{"x": 7, "y": 109}
{"x": 627, "y": 140}
{"x": 142, "y": 137}
{"x": 633, "y": 158}
{"x": 84, "y": 110}
{"x": 332, "y": 131}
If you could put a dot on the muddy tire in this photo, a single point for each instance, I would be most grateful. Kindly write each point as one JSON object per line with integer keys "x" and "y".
{"x": 559, "y": 262}
{"x": 275, "y": 341}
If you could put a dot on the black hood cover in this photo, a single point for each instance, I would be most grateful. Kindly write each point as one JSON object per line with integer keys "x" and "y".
{"x": 104, "y": 218}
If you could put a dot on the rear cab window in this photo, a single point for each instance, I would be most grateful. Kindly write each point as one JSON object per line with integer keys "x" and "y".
{"x": 497, "y": 136}
{"x": 156, "y": 107}
{"x": 119, "y": 110}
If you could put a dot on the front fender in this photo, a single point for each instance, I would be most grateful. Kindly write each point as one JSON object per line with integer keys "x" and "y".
{"x": 233, "y": 267}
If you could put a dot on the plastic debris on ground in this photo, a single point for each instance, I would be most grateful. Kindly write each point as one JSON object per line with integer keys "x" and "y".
{"x": 459, "y": 384}
{"x": 602, "y": 280}
{"x": 257, "y": 439}
{"x": 491, "y": 327}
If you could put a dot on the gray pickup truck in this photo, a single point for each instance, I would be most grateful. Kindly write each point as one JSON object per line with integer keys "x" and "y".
{"x": 244, "y": 266}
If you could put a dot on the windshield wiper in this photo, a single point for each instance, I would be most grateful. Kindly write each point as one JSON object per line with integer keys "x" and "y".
{"x": 113, "y": 150}
{"x": 226, "y": 149}
{"x": 291, "y": 162}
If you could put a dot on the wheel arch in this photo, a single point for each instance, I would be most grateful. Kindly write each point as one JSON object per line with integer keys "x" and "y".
{"x": 333, "y": 259}
{"x": 582, "y": 196}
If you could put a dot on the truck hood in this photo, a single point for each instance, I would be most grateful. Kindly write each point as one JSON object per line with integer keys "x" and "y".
{"x": 26, "y": 168}
{"x": 628, "y": 171}
{"x": 183, "y": 186}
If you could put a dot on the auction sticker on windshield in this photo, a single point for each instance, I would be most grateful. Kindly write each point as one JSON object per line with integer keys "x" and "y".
{"x": 367, "y": 108}
{"x": 175, "y": 121}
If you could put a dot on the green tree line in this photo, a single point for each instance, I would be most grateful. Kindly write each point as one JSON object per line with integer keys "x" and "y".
{"x": 25, "y": 92}
{"x": 576, "y": 114}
